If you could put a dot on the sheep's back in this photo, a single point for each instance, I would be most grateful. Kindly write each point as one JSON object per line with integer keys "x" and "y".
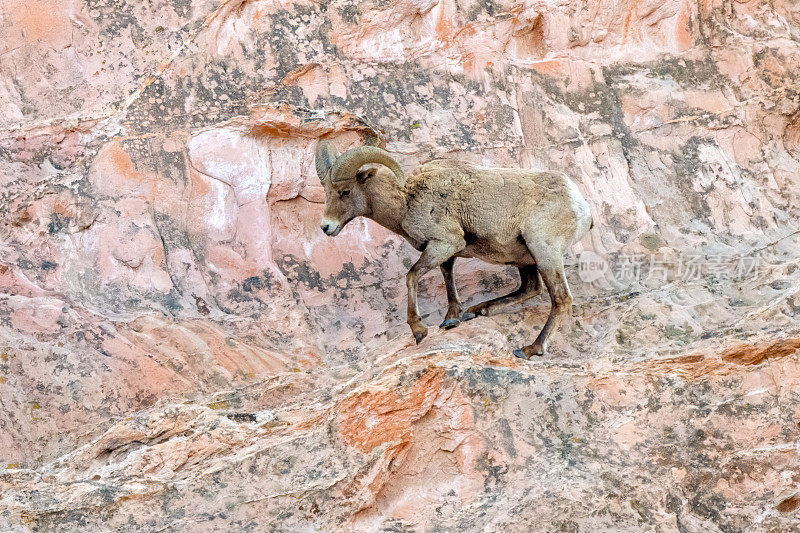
{"x": 491, "y": 202}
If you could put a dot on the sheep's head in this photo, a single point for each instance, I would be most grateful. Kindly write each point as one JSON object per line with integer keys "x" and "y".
{"x": 344, "y": 182}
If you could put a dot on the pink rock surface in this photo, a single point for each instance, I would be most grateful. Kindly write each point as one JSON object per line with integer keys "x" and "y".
{"x": 181, "y": 348}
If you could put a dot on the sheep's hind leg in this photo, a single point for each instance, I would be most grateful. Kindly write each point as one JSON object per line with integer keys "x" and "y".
{"x": 551, "y": 267}
{"x": 451, "y": 319}
{"x": 529, "y": 287}
{"x": 435, "y": 254}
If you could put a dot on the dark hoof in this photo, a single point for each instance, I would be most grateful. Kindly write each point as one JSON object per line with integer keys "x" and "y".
{"x": 450, "y": 323}
{"x": 418, "y": 337}
{"x": 537, "y": 350}
{"x": 520, "y": 354}
{"x": 467, "y": 316}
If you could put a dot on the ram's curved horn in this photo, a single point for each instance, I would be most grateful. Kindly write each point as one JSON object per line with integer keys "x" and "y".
{"x": 348, "y": 163}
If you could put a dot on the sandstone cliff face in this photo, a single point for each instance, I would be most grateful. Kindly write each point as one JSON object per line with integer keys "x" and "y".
{"x": 181, "y": 348}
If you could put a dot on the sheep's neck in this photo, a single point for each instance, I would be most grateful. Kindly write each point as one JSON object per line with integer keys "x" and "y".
{"x": 387, "y": 201}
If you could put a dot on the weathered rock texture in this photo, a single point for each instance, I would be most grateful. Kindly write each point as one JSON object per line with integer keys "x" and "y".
{"x": 183, "y": 350}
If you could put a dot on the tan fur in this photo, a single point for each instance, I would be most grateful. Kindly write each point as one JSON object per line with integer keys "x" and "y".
{"x": 449, "y": 209}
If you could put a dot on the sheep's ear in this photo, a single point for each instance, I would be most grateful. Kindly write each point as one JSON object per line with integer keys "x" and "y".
{"x": 364, "y": 175}
{"x": 325, "y": 155}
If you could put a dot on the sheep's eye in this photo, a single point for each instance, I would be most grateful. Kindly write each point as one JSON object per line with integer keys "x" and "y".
{"x": 344, "y": 193}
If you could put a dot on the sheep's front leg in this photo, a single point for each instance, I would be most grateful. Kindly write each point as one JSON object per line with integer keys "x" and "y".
{"x": 435, "y": 253}
{"x": 452, "y": 318}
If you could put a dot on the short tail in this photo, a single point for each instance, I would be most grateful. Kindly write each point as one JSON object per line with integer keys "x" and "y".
{"x": 591, "y": 223}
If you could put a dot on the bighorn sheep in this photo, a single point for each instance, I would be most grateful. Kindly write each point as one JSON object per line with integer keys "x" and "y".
{"x": 448, "y": 209}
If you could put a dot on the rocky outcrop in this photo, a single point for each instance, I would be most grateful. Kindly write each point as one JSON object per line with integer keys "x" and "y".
{"x": 456, "y": 438}
{"x": 181, "y": 347}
